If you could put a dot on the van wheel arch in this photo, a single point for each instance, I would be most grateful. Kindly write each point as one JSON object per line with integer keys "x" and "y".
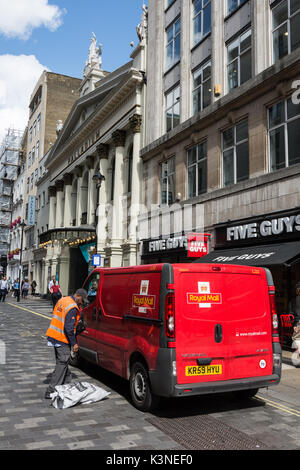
{"x": 136, "y": 357}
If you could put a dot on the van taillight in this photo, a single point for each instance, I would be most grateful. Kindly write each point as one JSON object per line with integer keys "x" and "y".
{"x": 170, "y": 315}
{"x": 273, "y": 314}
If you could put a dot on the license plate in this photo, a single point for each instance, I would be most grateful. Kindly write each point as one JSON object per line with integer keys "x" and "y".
{"x": 216, "y": 369}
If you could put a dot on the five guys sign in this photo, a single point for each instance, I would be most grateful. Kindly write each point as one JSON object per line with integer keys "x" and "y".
{"x": 198, "y": 245}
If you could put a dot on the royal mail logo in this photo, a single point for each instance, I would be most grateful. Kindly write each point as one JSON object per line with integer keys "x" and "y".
{"x": 204, "y": 297}
{"x": 195, "y": 298}
{"x": 139, "y": 300}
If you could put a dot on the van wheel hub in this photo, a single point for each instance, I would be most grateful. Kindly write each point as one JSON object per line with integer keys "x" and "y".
{"x": 139, "y": 385}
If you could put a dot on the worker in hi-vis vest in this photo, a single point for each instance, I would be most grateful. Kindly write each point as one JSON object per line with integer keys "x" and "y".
{"x": 61, "y": 335}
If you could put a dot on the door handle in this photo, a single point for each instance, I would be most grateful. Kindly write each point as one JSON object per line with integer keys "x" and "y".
{"x": 218, "y": 333}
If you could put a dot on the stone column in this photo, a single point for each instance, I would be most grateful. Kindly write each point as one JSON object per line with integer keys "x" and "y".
{"x": 91, "y": 201}
{"x": 59, "y": 204}
{"x": 103, "y": 153}
{"x": 135, "y": 124}
{"x": 52, "y": 207}
{"x": 119, "y": 138}
{"x": 67, "y": 222}
{"x": 78, "y": 202}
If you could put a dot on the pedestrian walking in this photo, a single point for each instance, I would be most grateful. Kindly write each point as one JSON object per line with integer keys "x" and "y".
{"x": 16, "y": 288}
{"x": 56, "y": 292}
{"x": 3, "y": 288}
{"x": 33, "y": 287}
{"x": 61, "y": 335}
{"x": 25, "y": 288}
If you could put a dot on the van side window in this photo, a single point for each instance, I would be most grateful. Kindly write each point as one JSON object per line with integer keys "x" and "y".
{"x": 91, "y": 286}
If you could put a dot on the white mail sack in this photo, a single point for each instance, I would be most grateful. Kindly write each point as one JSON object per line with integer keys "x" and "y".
{"x": 69, "y": 395}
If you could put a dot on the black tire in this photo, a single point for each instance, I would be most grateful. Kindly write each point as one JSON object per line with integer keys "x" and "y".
{"x": 140, "y": 390}
{"x": 246, "y": 394}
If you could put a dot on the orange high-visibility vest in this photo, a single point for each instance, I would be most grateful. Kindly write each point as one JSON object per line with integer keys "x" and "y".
{"x": 56, "y": 329}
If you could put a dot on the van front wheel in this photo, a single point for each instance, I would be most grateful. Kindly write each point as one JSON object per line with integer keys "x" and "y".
{"x": 140, "y": 389}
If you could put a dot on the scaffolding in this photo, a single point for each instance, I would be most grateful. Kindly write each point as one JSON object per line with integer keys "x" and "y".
{"x": 10, "y": 156}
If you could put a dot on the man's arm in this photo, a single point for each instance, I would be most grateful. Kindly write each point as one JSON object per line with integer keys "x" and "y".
{"x": 70, "y": 321}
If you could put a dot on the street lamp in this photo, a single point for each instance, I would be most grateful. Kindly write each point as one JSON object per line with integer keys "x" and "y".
{"x": 98, "y": 179}
{"x": 22, "y": 225}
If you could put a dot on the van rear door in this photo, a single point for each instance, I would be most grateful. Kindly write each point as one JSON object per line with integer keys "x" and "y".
{"x": 222, "y": 323}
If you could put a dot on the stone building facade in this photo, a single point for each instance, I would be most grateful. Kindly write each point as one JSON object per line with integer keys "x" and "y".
{"x": 51, "y": 100}
{"x": 103, "y": 133}
{"x": 223, "y": 120}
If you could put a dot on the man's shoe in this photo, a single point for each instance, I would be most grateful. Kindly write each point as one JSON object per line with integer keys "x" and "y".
{"x": 47, "y": 396}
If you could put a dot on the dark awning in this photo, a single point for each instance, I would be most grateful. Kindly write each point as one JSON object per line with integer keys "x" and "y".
{"x": 261, "y": 255}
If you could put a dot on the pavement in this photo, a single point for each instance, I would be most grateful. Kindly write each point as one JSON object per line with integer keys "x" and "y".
{"x": 29, "y": 422}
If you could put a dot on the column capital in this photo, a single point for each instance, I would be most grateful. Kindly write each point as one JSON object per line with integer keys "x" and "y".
{"x": 78, "y": 171}
{"x": 135, "y": 123}
{"x": 90, "y": 162}
{"x": 52, "y": 191}
{"x": 102, "y": 150}
{"x": 59, "y": 185}
{"x": 119, "y": 138}
{"x": 68, "y": 178}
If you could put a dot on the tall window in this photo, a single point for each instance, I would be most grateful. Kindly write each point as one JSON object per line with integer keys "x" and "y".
{"x": 129, "y": 175}
{"x": 38, "y": 122}
{"x": 31, "y": 181}
{"x": 202, "y": 88}
{"x": 232, "y": 5}
{"x": 197, "y": 170}
{"x": 173, "y": 109}
{"x": 167, "y": 181}
{"x": 235, "y": 154}
{"x": 38, "y": 150}
{"x": 202, "y": 19}
{"x": 33, "y": 155}
{"x": 113, "y": 171}
{"x": 239, "y": 62}
{"x": 173, "y": 43}
{"x": 284, "y": 136}
{"x": 286, "y": 28}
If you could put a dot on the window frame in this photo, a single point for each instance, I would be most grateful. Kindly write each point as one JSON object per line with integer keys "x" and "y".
{"x": 240, "y": 3}
{"x": 196, "y": 165}
{"x": 172, "y": 41}
{"x": 284, "y": 124}
{"x": 175, "y": 101}
{"x": 234, "y": 148}
{"x": 238, "y": 58}
{"x": 167, "y": 202}
{"x": 288, "y": 23}
{"x": 195, "y": 89}
{"x": 205, "y": 4}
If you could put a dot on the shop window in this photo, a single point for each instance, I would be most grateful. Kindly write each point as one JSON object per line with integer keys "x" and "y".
{"x": 197, "y": 170}
{"x": 285, "y": 28}
{"x": 173, "y": 109}
{"x": 167, "y": 181}
{"x": 201, "y": 19}
{"x": 235, "y": 154}
{"x": 173, "y": 44}
{"x": 284, "y": 137}
{"x": 202, "y": 91}
{"x": 239, "y": 60}
{"x": 232, "y": 5}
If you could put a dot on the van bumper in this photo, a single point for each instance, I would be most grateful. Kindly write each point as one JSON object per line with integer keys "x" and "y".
{"x": 164, "y": 382}
{"x": 225, "y": 386}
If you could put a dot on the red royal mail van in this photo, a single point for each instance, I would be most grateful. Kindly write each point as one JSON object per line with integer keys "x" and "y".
{"x": 183, "y": 329}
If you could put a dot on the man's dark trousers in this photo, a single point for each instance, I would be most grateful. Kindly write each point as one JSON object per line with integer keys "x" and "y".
{"x": 61, "y": 373}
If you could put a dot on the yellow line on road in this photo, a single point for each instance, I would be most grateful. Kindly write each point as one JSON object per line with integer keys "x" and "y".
{"x": 279, "y": 406}
{"x": 28, "y": 310}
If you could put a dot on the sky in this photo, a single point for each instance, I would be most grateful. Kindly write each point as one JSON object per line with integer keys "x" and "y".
{"x": 54, "y": 35}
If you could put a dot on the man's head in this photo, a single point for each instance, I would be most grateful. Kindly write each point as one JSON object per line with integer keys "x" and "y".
{"x": 80, "y": 297}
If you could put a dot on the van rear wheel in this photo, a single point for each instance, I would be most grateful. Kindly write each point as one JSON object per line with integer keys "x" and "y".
{"x": 140, "y": 390}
